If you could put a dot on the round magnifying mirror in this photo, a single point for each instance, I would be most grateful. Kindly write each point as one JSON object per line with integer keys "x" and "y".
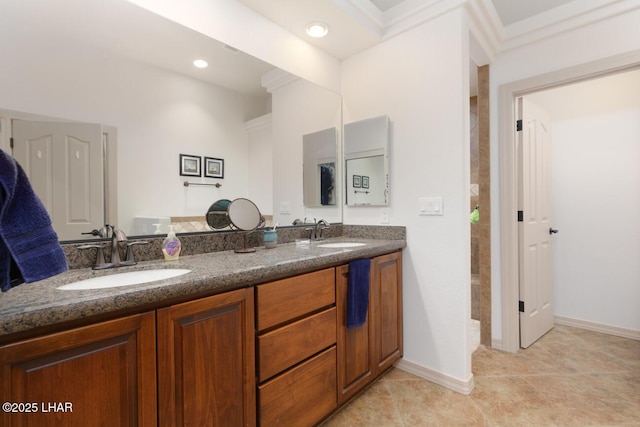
{"x": 244, "y": 214}
{"x": 217, "y": 216}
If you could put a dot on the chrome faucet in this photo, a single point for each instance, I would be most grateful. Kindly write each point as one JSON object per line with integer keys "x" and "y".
{"x": 117, "y": 236}
{"x": 317, "y": 231}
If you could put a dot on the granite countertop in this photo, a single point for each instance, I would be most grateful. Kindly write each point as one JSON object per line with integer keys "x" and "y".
{"x": 40, "y": 304}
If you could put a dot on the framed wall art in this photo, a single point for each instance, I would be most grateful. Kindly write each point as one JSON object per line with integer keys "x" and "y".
{"x": 190, "y": 165}
{"x": 213, "y": 167}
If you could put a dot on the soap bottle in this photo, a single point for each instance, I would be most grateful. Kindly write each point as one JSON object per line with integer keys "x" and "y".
{"x": 171, "y": 245}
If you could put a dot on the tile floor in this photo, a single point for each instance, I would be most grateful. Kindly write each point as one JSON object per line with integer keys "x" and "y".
{"x": 570, "y": 377}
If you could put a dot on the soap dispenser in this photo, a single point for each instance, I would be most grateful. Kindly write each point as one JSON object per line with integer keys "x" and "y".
{"x": 171, "y": 245}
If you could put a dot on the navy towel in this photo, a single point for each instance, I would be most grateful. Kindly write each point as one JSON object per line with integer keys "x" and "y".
{"x": 326, "y": 184}
{"x": 29, "y": 248}
{"x": 358, "y": 292}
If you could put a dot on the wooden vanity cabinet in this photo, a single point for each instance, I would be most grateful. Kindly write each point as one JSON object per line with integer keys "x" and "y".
{"x": 206, "y": 362}
{"x": 278, "y": 353}
{"x": 296, "y": 345}
{"x": 107, "y": 371}
{"x": 386, "y": 305}
{"x": 367, "y": 351}
{"x": 102, "y": 374}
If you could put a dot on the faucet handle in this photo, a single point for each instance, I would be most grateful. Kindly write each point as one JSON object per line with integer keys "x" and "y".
{"x": 129, "y": 258}
{"x": 312, "y": 232}
{"x": 322, "y": 225}
{"x": 100, "y": 262}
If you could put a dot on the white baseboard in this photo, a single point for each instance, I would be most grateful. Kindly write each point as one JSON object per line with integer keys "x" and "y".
{"x": 459, "y": 386}
{"x": 598, "y": 327}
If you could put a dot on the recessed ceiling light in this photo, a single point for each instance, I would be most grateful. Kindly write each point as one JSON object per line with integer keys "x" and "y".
{"x": 317, "y": 29}
{"x": 200, "y": 63}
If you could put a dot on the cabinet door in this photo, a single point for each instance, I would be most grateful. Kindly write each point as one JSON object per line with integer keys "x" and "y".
{"x": 386, "y": 302}
{"x": 103, "y": 374}
{"x": 355, "y": 346}
{"x": 206, "y": 362}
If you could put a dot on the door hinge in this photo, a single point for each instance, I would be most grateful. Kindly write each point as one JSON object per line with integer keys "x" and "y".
{"x": 518, "y": 125}
{"x": 520, "y": 216}
{"x": 521, "y": 306}
{"x": 11, "y": 143}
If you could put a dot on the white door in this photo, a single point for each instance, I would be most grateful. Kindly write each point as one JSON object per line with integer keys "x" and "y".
{"x": 64, "y": 162}
{"x": 534, "y": 226}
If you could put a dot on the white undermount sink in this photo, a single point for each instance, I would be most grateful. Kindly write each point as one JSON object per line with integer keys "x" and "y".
{"x": 125, "y": 279}
{"x": 341, "y": 245}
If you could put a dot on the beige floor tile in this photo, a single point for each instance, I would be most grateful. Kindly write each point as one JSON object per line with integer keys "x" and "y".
{"x": 375, "y": 407}
{"x": 569, "y": 378}
{"x": 422, "y": 403}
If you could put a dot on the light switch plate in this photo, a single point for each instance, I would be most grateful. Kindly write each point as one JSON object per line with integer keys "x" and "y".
{"x": 285, "y": 208}
{"x": 430, "y": 206}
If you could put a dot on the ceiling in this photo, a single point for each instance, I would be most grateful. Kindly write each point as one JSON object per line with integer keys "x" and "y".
{"x": 109, "y": 27}
{"x": 355, "y": 25}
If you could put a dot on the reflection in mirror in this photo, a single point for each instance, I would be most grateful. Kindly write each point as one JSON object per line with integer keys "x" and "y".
{"x": 217, "y": 216}
{"x": 366, "y": 153}
{"x": 319, "y": 167}
{"x": 130, "y": 69}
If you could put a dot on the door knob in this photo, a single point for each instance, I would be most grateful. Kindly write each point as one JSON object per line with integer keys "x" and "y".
{"x": 552, "y": 231}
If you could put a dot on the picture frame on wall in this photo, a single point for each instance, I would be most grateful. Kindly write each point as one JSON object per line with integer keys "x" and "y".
{"x": 190, "y": 165}
{"x": 365, "y": 181}
{"x": 213, "y": 167}
{"x": 357, "y": 181}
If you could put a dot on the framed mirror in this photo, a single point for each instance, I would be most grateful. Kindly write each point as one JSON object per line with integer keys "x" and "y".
{"x": 131, "y": 70}
{"x": 320, "y": 168}
{"x": 366, "y": 155}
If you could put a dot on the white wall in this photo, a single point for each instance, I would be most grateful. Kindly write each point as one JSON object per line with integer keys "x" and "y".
{"x": 260, "y": 168}
{"x": 595, "y": 182}
{"x": 420, "y": 80}
{"x": 616, "y": 36}
{"x": 158, "y": 115}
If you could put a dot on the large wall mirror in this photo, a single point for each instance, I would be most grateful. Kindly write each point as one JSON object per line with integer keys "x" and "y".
{"x": 366, "y": 154}
{"x": 129, "y": 71}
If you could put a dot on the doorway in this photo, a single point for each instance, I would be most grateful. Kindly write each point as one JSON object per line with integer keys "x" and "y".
{"x": 508, "y": 176}
{"x": 480, "y": 198}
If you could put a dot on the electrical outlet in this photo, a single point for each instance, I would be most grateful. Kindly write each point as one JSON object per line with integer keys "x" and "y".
{"x": 384, "y": 217}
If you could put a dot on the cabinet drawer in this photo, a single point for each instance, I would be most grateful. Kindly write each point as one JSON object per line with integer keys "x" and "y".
{"x": 288, "y": 299}
{"x": 286, "y": 346}
{"x": 301, "y": 396}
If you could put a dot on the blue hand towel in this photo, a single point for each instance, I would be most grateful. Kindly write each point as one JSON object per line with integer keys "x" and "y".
{"x": 358, "y": 292}
{"x": 29, "y": 248}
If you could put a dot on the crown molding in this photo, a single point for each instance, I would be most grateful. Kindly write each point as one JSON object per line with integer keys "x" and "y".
{"x": 276, "y": 79}
{"x": 488, "y": 33}
{"x": 486, "y": 30}
{"x": 258, "y": 124}
{"x": 562, "y": 19}
{"x": 483, "y": 19}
